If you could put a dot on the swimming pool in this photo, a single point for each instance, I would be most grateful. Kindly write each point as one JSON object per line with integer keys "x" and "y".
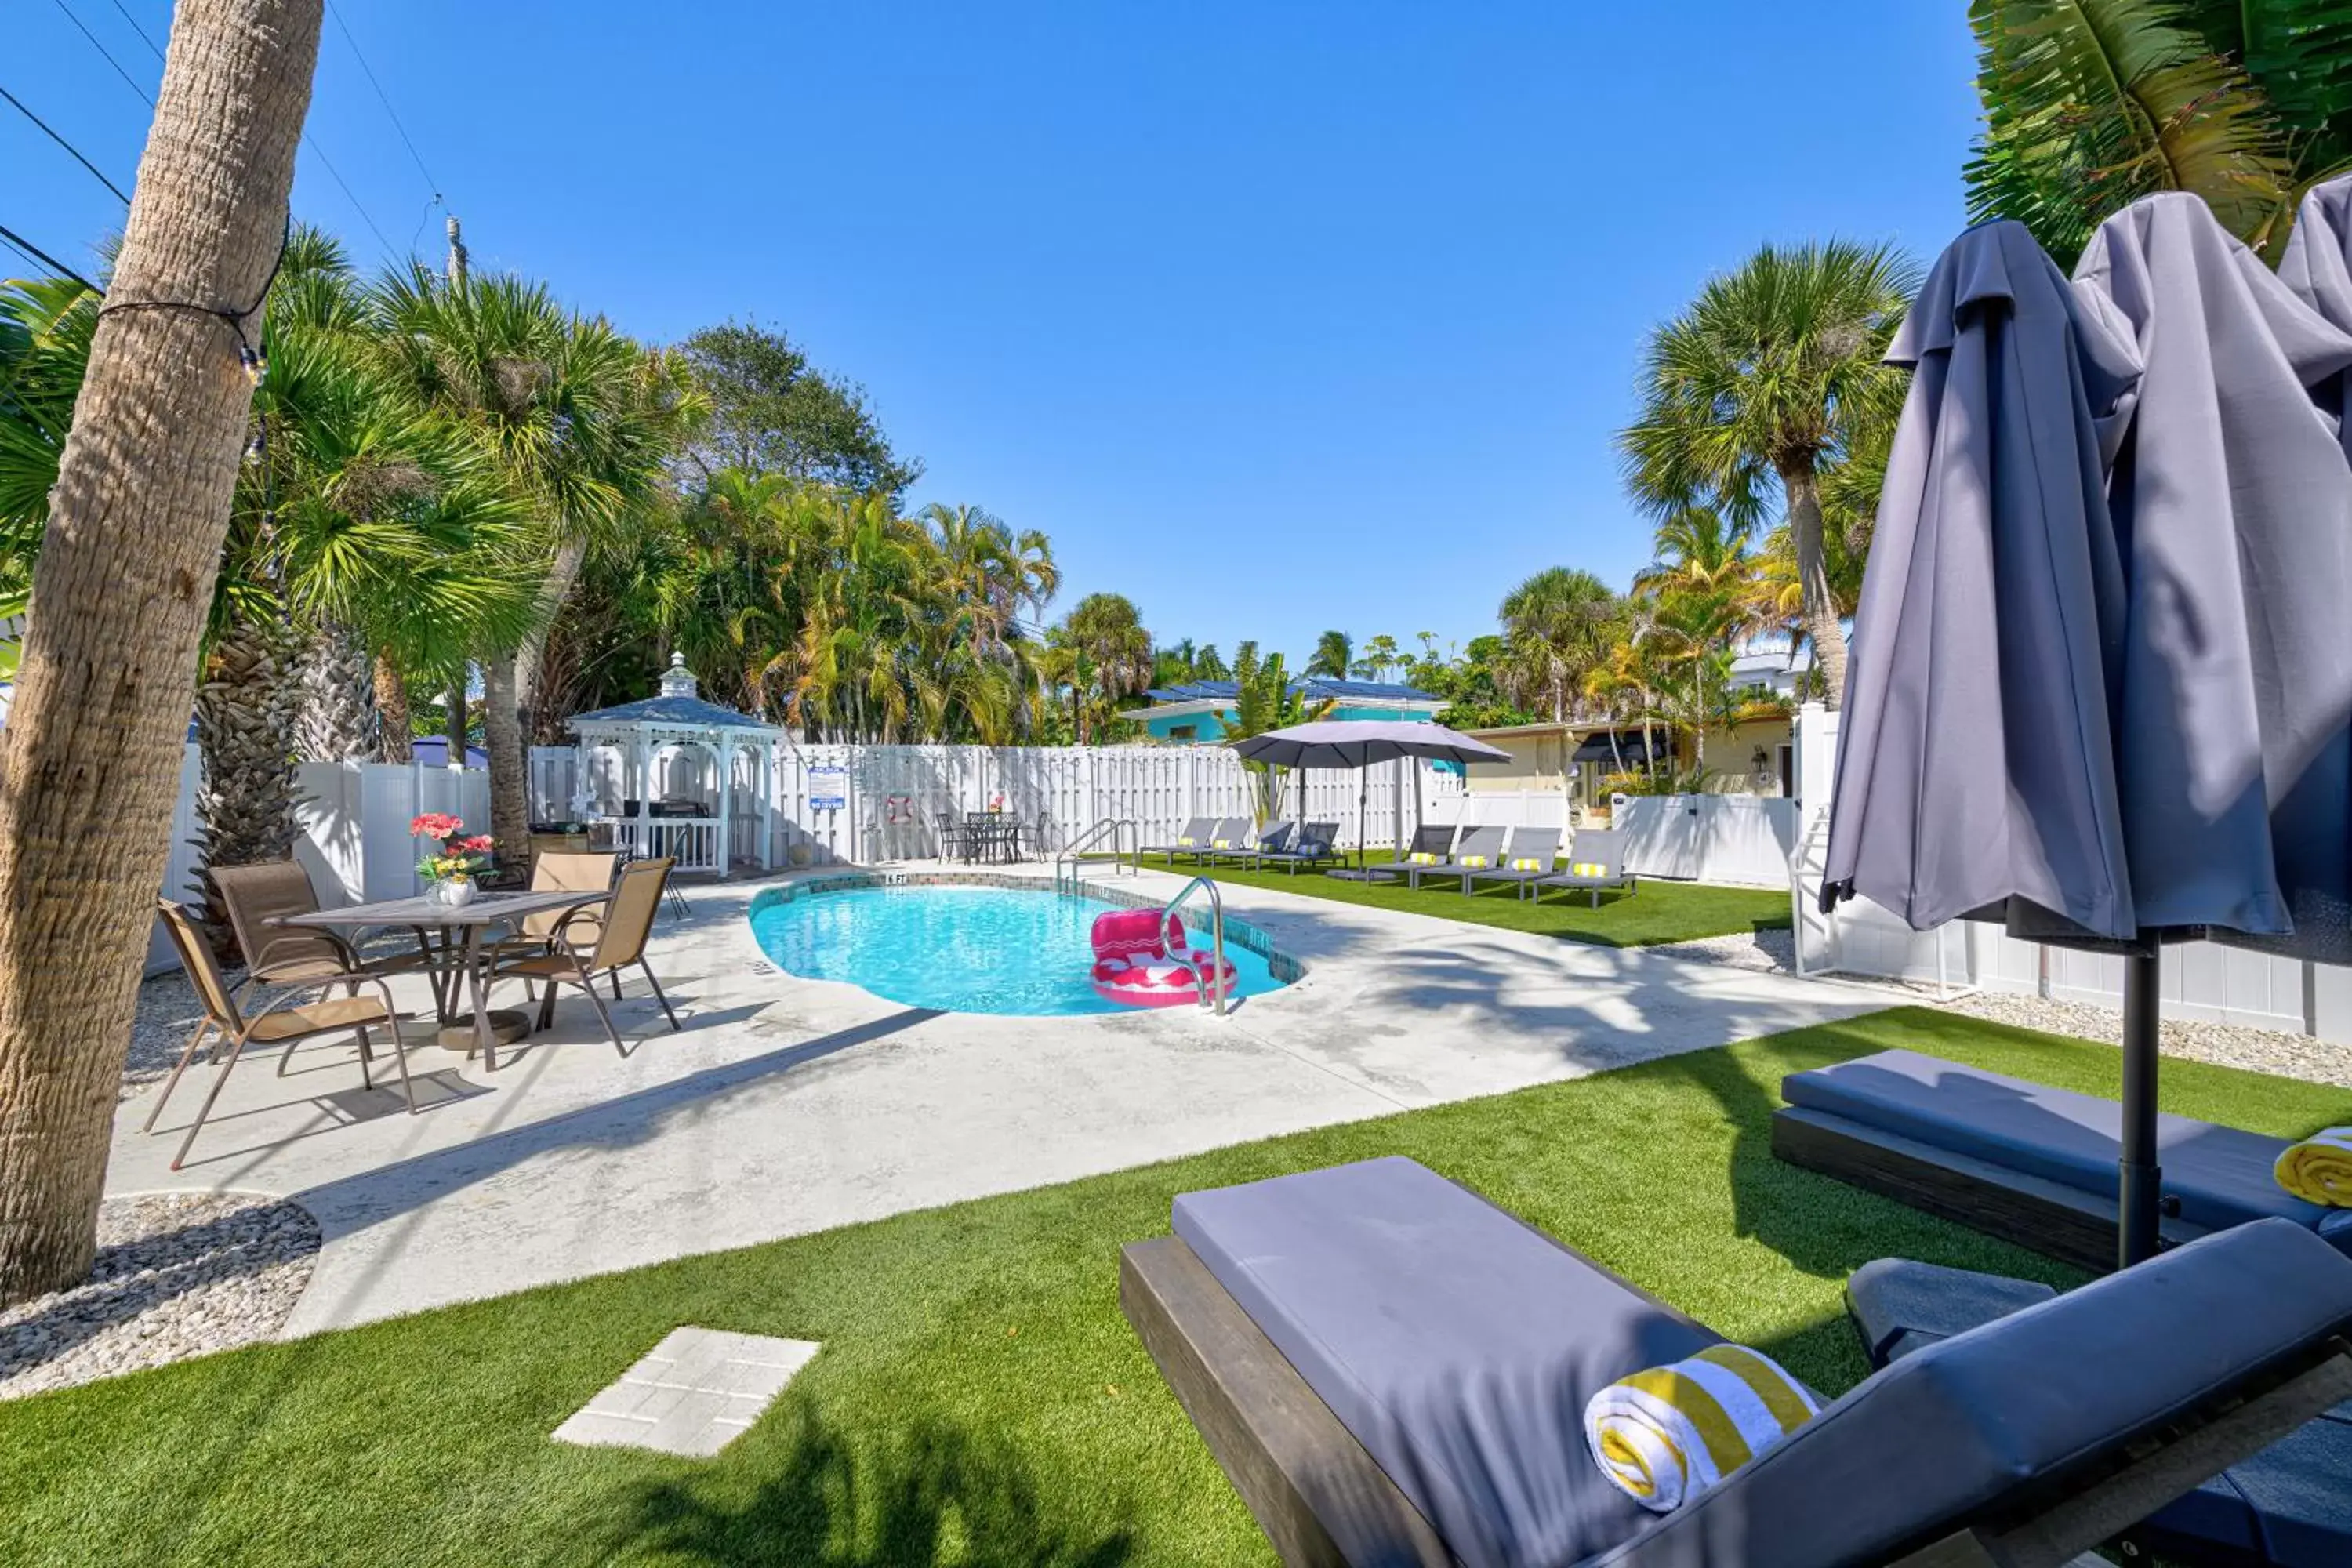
{"x": 1022, "y": 952}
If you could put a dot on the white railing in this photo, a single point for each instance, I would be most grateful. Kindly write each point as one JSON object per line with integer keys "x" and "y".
{"x": 691, "y": 841}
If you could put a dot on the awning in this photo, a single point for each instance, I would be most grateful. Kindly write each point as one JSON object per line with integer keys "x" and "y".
{"x": 1632, "y": 747}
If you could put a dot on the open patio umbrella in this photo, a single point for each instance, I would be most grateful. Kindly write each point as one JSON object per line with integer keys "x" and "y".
{"x": 2097, "y": 688}
{"x": 1358, "y": 744}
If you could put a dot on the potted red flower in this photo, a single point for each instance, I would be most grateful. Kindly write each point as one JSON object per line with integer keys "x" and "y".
{"x": 459, "y": 858}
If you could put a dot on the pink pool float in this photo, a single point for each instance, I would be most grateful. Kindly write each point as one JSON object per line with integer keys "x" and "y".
{"x": 1135, "y": 968}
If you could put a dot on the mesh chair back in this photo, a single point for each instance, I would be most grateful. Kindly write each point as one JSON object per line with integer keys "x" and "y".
{"x": 1487, "y": 841}
{"x": 1317, "y": 837}
{"x": 1275, "y": 837}
{"x": 1540, "y": 845}
{"x": 1230, "y": 833}
{"x": 566, "y": 872}
{"x": 1427, "y": 839}
{"x": 204, "y": 973}
{"x": 629, "y": 917}
{"x": 256, "y": 895}
{"x": 1600, "y": 848}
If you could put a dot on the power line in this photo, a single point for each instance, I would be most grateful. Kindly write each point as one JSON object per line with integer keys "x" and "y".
{"x": 40, "y": 257}
{"x": 52, "y": 135}
{"x": 127, "y": 81}
{"x": 153, "y": 47}
{"x": 385, "y": 99}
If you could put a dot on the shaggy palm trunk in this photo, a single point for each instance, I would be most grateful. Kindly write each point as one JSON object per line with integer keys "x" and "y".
{"x": 338, "y": 721}
{"x": 392, "y": 707}
{"x": 502, "y": 736}
{"x": 90, "y": 762}
{"x": 248, "y": 710}
{"x": 456, "y": 722}
{"x": 530, "y": 658}
{"x": 1813, "y": 575}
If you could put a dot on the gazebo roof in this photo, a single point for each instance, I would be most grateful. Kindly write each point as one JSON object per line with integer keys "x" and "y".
{"x": 676, "y": 708}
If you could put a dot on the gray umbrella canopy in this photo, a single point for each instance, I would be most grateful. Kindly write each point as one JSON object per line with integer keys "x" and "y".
{"x": 1359, "y": 742}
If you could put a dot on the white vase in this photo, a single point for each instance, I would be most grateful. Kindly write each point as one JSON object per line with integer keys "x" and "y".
{"x": 456, "y": 892}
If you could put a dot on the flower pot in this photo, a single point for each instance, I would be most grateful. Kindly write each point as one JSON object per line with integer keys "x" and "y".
{"x": 456, "y": 892}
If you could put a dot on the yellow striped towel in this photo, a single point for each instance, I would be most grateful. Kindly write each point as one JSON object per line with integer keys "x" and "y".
{"x": 1587, "y": 868}
{"x": 1527, "y": 863}
{"x": 1222, "y": 844}
{"x": 1471, "y": 861}
{"x": 1185, "y": 839}
{"x": 2319, "y": 1168}
{"x": 1423, "y": 858}
{"x": 1664, "y": 1436}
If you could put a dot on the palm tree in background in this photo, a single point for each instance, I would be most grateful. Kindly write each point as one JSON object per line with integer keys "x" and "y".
{"x": 1114, "y": 654}
{"x": 1557, "y": 625}
{"x": 2090, "y": 104}
{"x": 1772, "y": 375}
{"x": 1380, "y": 656}
{"x": 1333, "y": 654}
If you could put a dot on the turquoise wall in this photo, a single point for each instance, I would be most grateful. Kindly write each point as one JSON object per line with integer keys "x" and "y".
{"x": 1208, "y": 730}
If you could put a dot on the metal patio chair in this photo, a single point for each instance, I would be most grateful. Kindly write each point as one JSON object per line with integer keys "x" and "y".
{"x": 620, "y": 942}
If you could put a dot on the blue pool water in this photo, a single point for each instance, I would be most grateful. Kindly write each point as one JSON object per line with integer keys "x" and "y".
{"x": 960, "y": 950}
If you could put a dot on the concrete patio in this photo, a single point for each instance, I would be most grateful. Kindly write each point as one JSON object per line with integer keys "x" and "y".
{"x": 787, "y": 1105}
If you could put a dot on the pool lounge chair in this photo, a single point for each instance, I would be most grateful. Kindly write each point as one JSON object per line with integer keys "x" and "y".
{"x": 2022, "y": 1160}
{"x": 1226, "y": 833}
{"x": 1596, "y": 861}
{"x": 1430, "y": 844}
{"x": 1273, "y": 836}
{"x": 1194, "y": 834}
{"x": 1316, "y": 842}
{"x": 1392, "y": 1371}
{"x": 1533, "y": 854}
{"x": 1479, "y": 849}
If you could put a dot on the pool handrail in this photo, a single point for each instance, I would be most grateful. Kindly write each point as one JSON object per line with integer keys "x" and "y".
{"x": 1216, "y": 981}
{"x": 1093, "y": 836}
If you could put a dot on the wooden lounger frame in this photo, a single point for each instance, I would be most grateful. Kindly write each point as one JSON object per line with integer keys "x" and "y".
{"x": 1324, "y": 1502}
{"x": 2049, "y": 1218}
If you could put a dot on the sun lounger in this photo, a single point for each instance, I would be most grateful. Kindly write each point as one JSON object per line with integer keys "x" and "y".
{"x": 1195, "y": 834}
{"x": 1225, "y": 832}
{"x": 1430, "y": 847}
{"x": 1314, "y": 843}
{"x": 1272, "y": 837}
{"x": 1596, "y": 861}
{"x": 2027, "y": 1163}
{"x": 1392, "y": 1371}
{"x": 1533, "y": 852}
{"x": 1479, "y": 849}
{"x": 2289, "y": 1506}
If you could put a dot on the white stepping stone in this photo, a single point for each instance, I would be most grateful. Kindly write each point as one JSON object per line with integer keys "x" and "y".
{"x": 693, "y": 1394}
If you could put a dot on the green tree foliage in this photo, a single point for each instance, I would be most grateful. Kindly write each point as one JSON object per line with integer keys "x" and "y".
{"x": 1267, "y": 698}
{"x": 1334, "y": 652}
{"x": 2090, "y": 104}
{"x": 1556, "y": 625}
{"x": 772, "y": 412}
{"x": 1379, "y": 656}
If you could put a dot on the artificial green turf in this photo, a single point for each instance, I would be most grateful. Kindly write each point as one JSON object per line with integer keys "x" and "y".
{"x": 1653, "y": 911}
{"x": 979, "y": 1400}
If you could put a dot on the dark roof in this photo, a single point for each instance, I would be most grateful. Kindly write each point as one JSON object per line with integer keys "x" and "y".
{"x": 681, "y": 712}
{"x": 1314, "y": 687}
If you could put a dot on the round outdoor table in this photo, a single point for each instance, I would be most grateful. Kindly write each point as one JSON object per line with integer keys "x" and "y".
{"x": 457, "y": 957}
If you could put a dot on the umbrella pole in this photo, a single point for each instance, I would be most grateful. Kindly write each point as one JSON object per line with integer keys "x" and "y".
{"x": 2140, "y": 1187}
{"x": 1363, "y": 773}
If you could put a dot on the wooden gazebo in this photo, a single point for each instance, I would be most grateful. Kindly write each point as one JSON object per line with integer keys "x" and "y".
{"x": 647, "y": 808}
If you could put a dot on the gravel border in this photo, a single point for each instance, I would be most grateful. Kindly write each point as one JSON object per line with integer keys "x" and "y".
{"x": 177, "y": 1275}
{"x": 2269, "y": 1051}
{"x": 1768, "y": 950}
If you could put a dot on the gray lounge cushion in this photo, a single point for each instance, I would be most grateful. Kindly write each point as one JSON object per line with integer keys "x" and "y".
{"x": 1459, "y": 1344}
{"x": 2221, "y": 1175}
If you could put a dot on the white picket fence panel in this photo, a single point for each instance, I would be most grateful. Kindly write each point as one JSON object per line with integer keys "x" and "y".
{"x": 1734, "y": 839}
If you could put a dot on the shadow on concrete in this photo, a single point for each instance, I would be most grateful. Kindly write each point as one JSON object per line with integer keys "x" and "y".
{"x": 937, "y": 1494}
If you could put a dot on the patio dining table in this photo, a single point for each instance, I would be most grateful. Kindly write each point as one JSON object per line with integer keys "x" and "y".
{"x": 457, "y": 959}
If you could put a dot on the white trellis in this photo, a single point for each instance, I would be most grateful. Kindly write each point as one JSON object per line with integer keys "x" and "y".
{"x": 674, "y": 775}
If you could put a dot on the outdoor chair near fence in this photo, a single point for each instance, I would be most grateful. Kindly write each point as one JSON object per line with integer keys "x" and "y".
{"x": 255, "y": 897}
{"x": 1430, "y": 844}
{"x": 618, "y": 943}
{"x": 1274, "y": 838}
{"x": 1479, "y": 849}
{"x": 955, "y": 840}
{"x": 1316, "y": 843}
{"x": 1534, "y": 855}
{"x": 1190, "y": 837}
{"x": 562, "y": 873}
{"x": 1596, "y": 862}
{"x": 282, "y": 1022}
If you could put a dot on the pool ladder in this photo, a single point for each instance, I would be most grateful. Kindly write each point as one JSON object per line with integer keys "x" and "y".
{"x": 1092, "y": 838}
{"x": 1217, "y": 984}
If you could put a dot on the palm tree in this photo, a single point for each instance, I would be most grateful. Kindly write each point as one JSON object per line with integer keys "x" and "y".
{"x": 1380, "y": 655}
{"x": 2090, "y": 104}
{"x": 1772, "y": 374}
{"x": 90, "y": 761}
{"x": 1557, "y": 623}
{"x": 1115, "y": 655}
{"x": 1265, "y": 699}
{"x": 1333, "y": 654}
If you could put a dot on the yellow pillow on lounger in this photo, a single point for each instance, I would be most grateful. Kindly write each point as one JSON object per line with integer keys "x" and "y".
{"x": 2319, "y": 1168}
{"x": 1664, "y": 1436}
{"x": 1473, "y": 861}
{"x": 1588, "y": 867}
{"x": 1423, "y": 858}
{"x": 1222, "y": 844}
{"x": 1185, "y": 839}
{"x": 1528, "y": 864}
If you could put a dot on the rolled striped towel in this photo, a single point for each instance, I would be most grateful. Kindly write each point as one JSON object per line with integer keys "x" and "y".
{"x": 1529, "y": 863}
{"x": 1664, "y": 1436}
{"x": 1471, "y": 861}
{"x": 2319, "y": 1168}
{"x": 1423, "y": 858}
{"x": 1588, "y": 867}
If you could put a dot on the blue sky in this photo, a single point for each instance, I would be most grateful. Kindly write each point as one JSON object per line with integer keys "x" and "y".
{"x": 1274, "y": 317}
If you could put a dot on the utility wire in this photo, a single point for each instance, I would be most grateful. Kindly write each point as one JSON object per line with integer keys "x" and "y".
{"x": 385, "y": 99}
{"x": 153, "y": 48}
{"x": 40, "y": 257}
{"x": 52, "y": 135}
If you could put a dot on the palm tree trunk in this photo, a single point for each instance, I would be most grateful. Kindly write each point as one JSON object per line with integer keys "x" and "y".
{"x": 456, "y": 722}
{"x": 510, "y": 780}
{"x": 247, "y": 710}
{"x": 339, "y": 720}
{"x": 563, "y": 572}
{"x": 90, "y": 762}
{"x": 391, "y": 704}
{"x": 1813, "y": 575}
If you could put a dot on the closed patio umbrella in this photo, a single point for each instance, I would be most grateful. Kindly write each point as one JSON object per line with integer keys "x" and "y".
{"x": 1358, "y": 744}
{"x": 2094, "y": 689}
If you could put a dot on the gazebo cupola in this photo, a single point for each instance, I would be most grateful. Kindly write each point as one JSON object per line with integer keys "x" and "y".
{"x": 669, "y": 776}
